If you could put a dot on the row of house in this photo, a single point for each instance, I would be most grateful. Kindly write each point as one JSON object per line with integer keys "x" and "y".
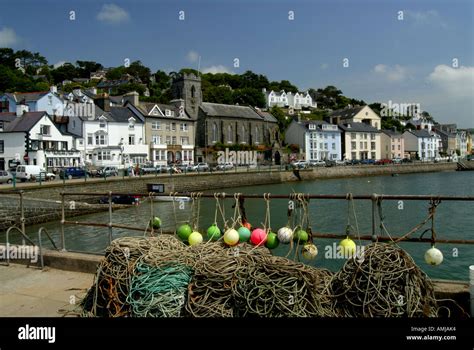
{"x": 85, "y": 128}
{"x": 356, "y": 134}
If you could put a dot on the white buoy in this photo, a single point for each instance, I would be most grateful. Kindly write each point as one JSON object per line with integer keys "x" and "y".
{"x": 471, "y": 287}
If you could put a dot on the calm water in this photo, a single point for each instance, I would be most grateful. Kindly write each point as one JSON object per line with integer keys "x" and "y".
{"x": 453, "y": 219}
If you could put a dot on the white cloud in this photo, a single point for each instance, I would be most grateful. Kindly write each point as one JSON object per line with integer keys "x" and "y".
{"x": 217, "y": 69}
{"x": 456, "y": 82}
{"x": 111, "y": 13}
{"x": 8, "y": 37}
{"x": 192, "y": 56}
{"x": 391, "y": 73}
{"x": 59, "y": 64}
{"x": 426, "y": 17}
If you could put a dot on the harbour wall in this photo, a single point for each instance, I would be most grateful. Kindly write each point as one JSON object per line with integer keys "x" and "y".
{"x": 216, "y": 180}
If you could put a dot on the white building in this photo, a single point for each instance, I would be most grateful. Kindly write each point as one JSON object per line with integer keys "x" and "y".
{"x": 113, "y": 136}
{"x": 317, "y": 139}
{"x": 359, "y": 114}
{"x": 298, "y": 100}
{"x": 422, "y": 144}
{"x": 32, "y": 138}
{"x": 461, "y": 142}
{"x": 360, "y": 141}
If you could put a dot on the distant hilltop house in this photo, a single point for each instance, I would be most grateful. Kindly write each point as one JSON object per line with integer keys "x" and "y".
{"x": 358, "y": 114}
{"x": 109, "y": 85}
{"x": 296, "y": 101}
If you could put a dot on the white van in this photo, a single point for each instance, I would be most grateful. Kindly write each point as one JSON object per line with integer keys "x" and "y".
{"x": 25, "y": 172}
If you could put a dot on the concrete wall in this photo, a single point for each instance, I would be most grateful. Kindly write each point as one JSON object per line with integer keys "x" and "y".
{"x": 208, "y": 182}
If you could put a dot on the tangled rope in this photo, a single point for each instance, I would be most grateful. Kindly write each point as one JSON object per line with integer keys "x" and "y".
{"x": 383, "y": 282}
{"x": 163, "y": 277}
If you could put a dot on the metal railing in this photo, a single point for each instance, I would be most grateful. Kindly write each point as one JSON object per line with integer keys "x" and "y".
{"x": 376, "y": 199}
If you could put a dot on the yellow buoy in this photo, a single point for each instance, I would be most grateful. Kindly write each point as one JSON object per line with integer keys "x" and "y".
{"x": 195, "y": 238}
{"x": 231, "y": 237}
{"x": 348, "y": 247}
{"x": 433, "y": 256}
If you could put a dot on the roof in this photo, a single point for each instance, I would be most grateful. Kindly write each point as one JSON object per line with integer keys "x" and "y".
{"x": 232, "y": 111}
{"x": 346, "y": 113}
{"x": 421, "y": 133}
{"x": 444, "y": 133}
{"x": 23, "y": 123}
{"x": 267, "y": 116}
{"x": 122, "y": 115}
{"x": 391, "y": 133}
{"x": 357, "y": 127}
{"x": 318, "y": 123}
{"x": 27, "y": 96}
{"x": 147, "y": 107}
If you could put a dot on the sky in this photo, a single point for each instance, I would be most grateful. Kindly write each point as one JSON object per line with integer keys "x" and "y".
{"x": 415, "y": 51}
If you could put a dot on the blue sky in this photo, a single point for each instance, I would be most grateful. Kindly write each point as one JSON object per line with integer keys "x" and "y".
{"x": 405, "y": 61}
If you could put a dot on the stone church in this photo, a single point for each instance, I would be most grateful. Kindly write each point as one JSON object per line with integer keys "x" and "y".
{"x": 224, "y": 124}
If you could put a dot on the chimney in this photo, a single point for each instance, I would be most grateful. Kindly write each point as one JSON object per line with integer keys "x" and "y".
{"x": 21, "y": 108}
{"x": 349, "y": 125}
{"x": 103, "y": 102}
{"x": 131, "y": 97}
{"x": 53, "y": 89}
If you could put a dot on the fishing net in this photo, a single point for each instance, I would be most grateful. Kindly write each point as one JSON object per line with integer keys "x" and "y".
{"x": 163, "y": 277}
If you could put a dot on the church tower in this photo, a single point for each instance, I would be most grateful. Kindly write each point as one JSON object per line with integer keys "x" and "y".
{"x": 188, "y": 88}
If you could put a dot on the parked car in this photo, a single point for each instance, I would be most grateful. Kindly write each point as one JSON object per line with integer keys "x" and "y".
{"x": 340, "y": 162}
{"x": 125, "y": 199}
{"x": 225, "y": 166}
{"x": 367, "y": 161}
{"x": 5, "y": 177}
{"x": 383, "y": 162}
{"x": 72, "y": 172}
{"x": 44, "y": 176}
{"x": 330, "y": 163}
{"x": 107, "y": 171}
{"x": 149, "y": 169}
{"x": 397, "y": 160}
{"x": 317, "y": 163}
{"x": 352, "y": 162}
{"x": 200, "y": 167}
{"x": 300, "y": 164}
{"x": 407, "y": 160}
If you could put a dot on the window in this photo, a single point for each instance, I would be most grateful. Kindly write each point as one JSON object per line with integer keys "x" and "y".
{"x": 333, "y": 136}
{"x": 214, "y": 132}
{"x": 321, "y": 145}
{"x": 257, "y": 136}
{"x": 90, "y": 139}
{"x": 372, "y": 136}
{"x": 167, "y": 126}
{"x": 185, "y": 140}
{"x": 103, "y": 155}
{"x": 81, "y": 142}
{"x": 361, "y": 145}
{"x": 131, "y": 139}
{"x": 376, "y": 125}
{"x": 73, "y": 124}
{"x": 173, "y": 126}
{"x": 312, "y": 126}
{"x": 372, "y": 146}
{"x": 45, "y": 130}
{"x": 184, "y": 127}
{"x": 353, "y": 135}
{"x": 193, "y": 91}
{"x": 102, "y": 123}
{"x": 131, "y": 125}
{"x": 365, "y": 145}
{"x": 365, "y": 136}
{"x": 173, "y": 140}
{"x": 372, "y": 155}
{"x": 2, "y": 146}
{"x": 168, "y": 140}
{"x": 325, "y": 146}
{"x": 156, "y": 125}
{"x": 326, "y": 136}
{"x": 168, "y": 113}
{"x": 243, "y": 134}
{"x": 354, "y": 155}
{"x": 101, "y": 139}
{"x": 155, "y": 111}
{"x": 229, "y": 134}
{"x": 50, "y": 100}
{"x": 353, "y": 145}
{"x": 399, "y": 147}
{"x": 393, "y": 147}
{"x": 333, "y": 146}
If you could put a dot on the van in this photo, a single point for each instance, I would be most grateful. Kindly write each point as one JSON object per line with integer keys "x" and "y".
{"x": 26, "y": 172}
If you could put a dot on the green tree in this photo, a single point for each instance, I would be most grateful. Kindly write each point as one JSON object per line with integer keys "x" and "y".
{"x": 249, "y": 96}
{"x": 162, "y": 80}
{"x": 218, "y": 94}
{"x": 65, "y": 72}
{"x": 85, "y": 68}
{"x": 124, "y": 88}
{"x": 116, "y": 73}
{"x": 138, "y": 70}
{"x": 282, "y": 119}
